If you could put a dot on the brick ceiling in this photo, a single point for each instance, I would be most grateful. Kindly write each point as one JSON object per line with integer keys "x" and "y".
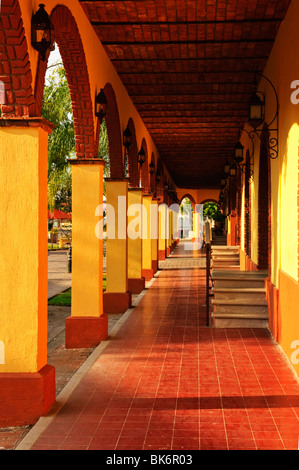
{"x": 188, "y": 66}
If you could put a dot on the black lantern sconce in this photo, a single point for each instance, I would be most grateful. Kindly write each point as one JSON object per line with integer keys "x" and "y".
{"x": 127, "y": 138}
{"x": 151, "y": 168}
{"x": 166, "y": 186}
{"x": 239, "y": 157}
{"x": 158, "y": 177}
{"x": 101, "y": 105}
{"x": 257, "y": 117}
{"x": 226, "y": 169}
{"x": 141, "y": 156}
{"x": 42, "y": 33}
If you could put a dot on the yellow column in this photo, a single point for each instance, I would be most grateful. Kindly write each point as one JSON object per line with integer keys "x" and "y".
{"x": 136, "y": 283}
{"x": 87, "y": 326}
{"x": 162, "y": 231}
{"x": 154, "y": 233}
{"x": 147, "y": 270}
{"x": 27, "y": 383}
{"x": 117, "y": 298}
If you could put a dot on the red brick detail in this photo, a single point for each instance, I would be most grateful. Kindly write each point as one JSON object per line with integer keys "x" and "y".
{"x": 17, "y": 99}
{"x": 85, "y": 332}
{"x": 116, "y": 149}
{"x": 117, "y": 302}
{"x": 264, "y": 204}
{"x": 73, "y": 56}
{"x": 133, "y": 167}
{"x": 25, "y": 397}
{"x": 136, "y": 285}
{"x": 144, "y": 172}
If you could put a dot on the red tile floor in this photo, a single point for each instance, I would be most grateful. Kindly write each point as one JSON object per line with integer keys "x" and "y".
{"x": 166, "y": 381}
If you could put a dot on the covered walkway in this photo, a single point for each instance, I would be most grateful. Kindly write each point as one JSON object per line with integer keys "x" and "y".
{"x": 163, "y": 380}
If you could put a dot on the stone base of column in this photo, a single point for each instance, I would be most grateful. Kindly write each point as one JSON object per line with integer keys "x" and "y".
{"x": 155, "y": 265}
{"x": 25, "y": 397}
{"x": 161, "y": 255}
{"x": 136, "y": 285}
{"x": 167, "y": 251}
{"x": 85, "y": 332}
{"x": 148, "y": 274}
{"x": 117, "y": 302}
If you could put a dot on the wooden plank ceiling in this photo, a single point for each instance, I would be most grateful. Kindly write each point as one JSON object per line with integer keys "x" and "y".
{"x": 188, "y": 66}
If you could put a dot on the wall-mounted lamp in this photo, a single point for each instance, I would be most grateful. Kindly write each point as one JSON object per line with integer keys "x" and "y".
{"x": 239, "y": 152}
{"x": 127, "y": 138}
{"x": 141, "y": 156}
{"x": 42, "y": 32}
{"x": 257, "y": 117}
{"x": 151, "y": 168}
{"x": 233, "y": 170}
{"x": 101, "y": 105}
{"x": 158, "y": 177}
{"x": 239, "y": 155}
{"x": 226, "y": 169}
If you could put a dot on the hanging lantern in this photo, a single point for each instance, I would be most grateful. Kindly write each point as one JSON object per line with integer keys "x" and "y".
{"x": 42, "y": 33}
{"x": 151, "y": 168}
{"x": 101, "y": 105}
{"x": 239, "y": 157}
{"x": 141, "y": 156}
{"x": 256, "y": 111}
{"x": 127, "y": 138}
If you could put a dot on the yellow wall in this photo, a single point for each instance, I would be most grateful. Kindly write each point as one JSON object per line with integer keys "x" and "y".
{"x": 23, "y": 256}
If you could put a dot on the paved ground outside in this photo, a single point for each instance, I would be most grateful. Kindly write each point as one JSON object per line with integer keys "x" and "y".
{"x": 165, "y": 381}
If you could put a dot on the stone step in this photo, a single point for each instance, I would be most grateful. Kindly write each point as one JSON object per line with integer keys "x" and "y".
{"x": 225, "y": 248}
{"x": 240, "y": 309}
{"x": 230, "y": 267}
{"x": 225, "y": 254}
{"x": 238, "y": 279}
{"x": 227, "y": 260}
{"x": 239, "y": 321}
{"x": 244, "y": 294}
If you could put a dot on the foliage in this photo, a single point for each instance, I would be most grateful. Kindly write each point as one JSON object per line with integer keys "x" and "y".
{"x": 60, "y": 189}
{"x": 212, "y": 211}
{"x": 57, "y": 108}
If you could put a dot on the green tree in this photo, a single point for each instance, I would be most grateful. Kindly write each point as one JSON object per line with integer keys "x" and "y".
{"x": 60, "y": 189}
{"x": 57, "y": 108}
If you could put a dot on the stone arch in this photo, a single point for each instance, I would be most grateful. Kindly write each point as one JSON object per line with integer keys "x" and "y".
{"x": 144, "y": 173}
{"x": 264, "y": 203}
{"x": 71, "y": 49}
{"x": 117, "y": 167}
{"x": 133, "y": 169}
{"x": 209, "y": 200}
{"x": 15, "y": 73}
